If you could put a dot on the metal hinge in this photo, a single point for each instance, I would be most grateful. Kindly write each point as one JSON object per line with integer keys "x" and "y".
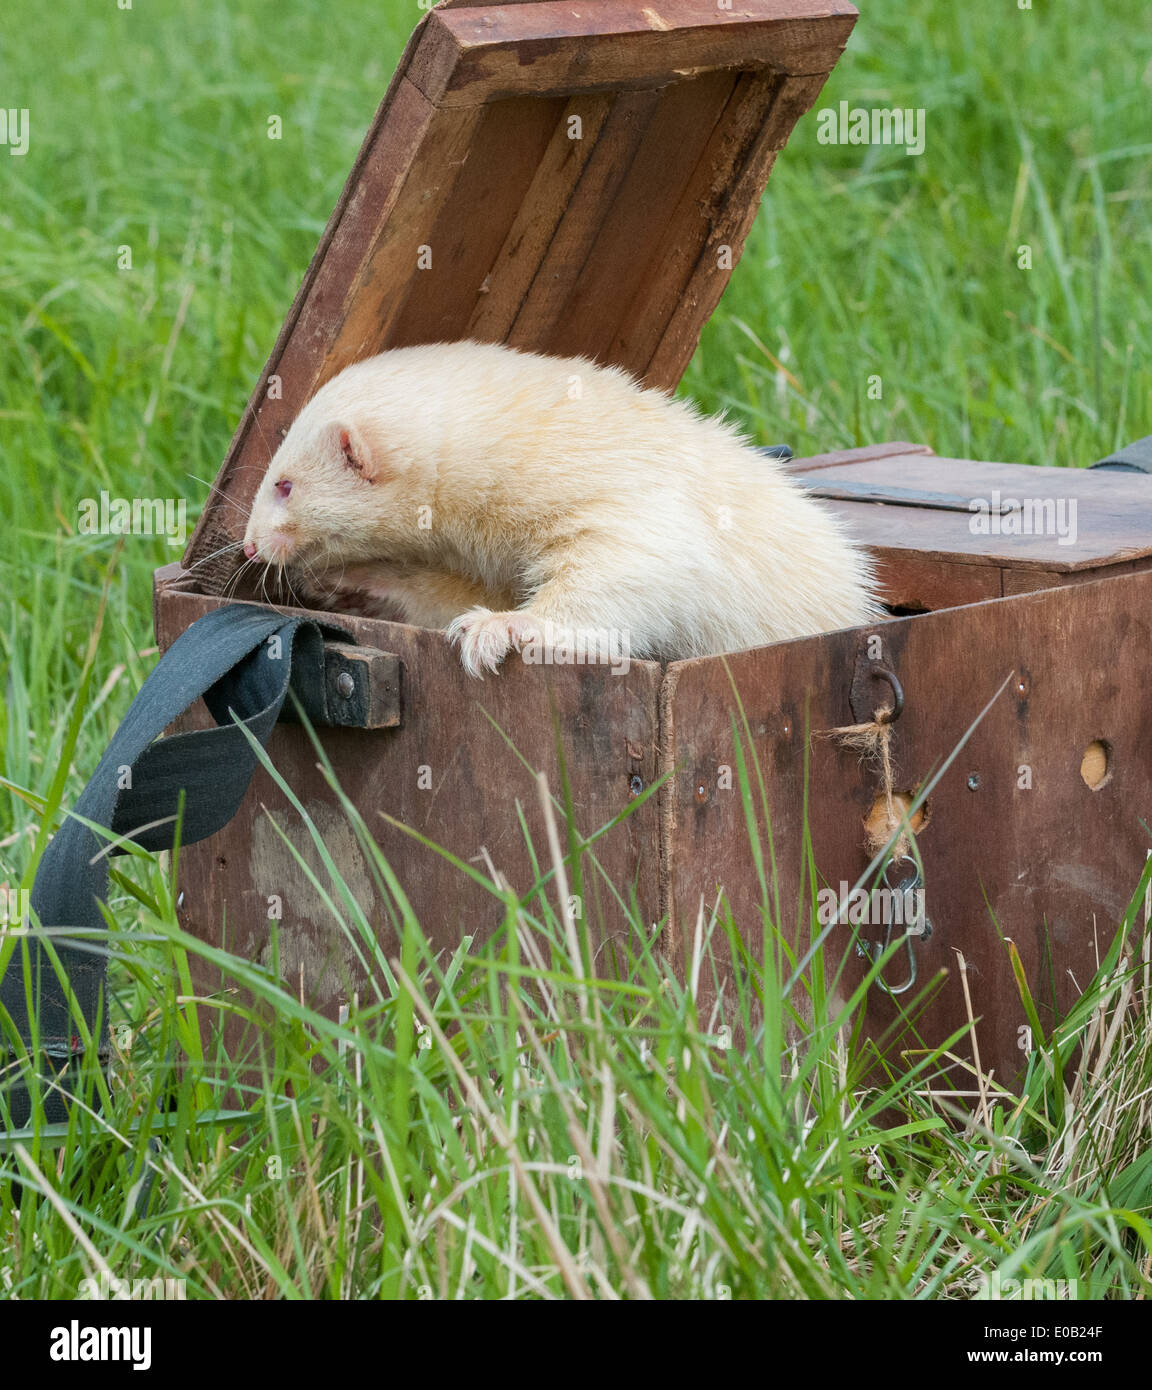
{"x": 360, "y": 690}
{"x": 899, "y": 496}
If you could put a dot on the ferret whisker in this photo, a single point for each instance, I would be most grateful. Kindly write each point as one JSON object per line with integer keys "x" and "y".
{"x": 326, "y": 595}
{"x": 215, "y": 487}
{"x": 297, "y": 602}
{"x": 234, "y": 579}
{"x": 232, "y": 545}
{"x": 278, "y": 601}
{"x": 316, "y": 585}
{"x": 241, "y": 572}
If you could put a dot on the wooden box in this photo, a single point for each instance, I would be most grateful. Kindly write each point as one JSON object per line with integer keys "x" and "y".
{"x": 580, "y": 179}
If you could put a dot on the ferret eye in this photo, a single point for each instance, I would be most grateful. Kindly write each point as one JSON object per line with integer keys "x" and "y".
{"x": 284, "y": 487}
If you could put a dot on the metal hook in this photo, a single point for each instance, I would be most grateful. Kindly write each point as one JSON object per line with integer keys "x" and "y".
{"x": 915, "y": 923}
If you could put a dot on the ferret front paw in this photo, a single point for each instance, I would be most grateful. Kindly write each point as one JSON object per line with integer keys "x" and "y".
{"x": 485, "y": 638}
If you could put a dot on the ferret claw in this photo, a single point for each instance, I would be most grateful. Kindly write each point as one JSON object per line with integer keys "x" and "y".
{"x": 485, "y": 638}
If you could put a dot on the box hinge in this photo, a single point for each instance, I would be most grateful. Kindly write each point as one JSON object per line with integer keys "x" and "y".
{"x": 882, "y": 493}
{"x": 360, "y": 689}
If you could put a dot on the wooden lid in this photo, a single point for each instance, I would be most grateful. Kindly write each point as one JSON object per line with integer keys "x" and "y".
{"x": 897, "y": 497}
{"x": 953, "y": 531}
{"x": 574, "y": 177}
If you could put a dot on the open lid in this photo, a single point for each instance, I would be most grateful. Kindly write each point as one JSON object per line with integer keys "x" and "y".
{"x": 575, "y": 177}
{"x": 947, "y": 531}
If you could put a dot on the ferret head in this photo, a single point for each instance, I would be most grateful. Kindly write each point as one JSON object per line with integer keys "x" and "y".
{"x": 341, "y": 487}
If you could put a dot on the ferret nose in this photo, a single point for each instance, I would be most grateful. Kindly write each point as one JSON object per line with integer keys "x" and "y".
{"x": 250, "y": 549}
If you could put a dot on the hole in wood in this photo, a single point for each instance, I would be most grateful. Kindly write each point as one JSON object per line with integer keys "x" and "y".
{"x": 1096, "y": 764}
{"x": 877, "y": 823}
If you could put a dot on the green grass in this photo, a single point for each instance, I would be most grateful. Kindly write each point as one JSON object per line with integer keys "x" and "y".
{"x": 149, "y": 130}
{"x": 501, "y": 1125}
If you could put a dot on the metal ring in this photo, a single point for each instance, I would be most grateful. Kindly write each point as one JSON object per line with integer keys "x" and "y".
{"x": 890, "y": 716}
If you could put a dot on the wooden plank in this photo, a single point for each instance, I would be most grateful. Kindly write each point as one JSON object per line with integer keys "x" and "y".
{"x": 1015, "y": 834}
{"x": 1027, "y": 581}
{"x": 728, "y": 208}
{"x": 661, "y": 283}
{"x": 631, "y": 230}
{"x": 1092, "y": 518}
{"x": 473, "y": 55}
{"x": 553, "y": 183}
{"x": 473, "y": 223}
{"x": 840, "y": 458}
{"x": 923, "y": 584}
{"x": 605, "y": 171}
{"x": 447, "y": 772}
{"x": 373, "y": 303}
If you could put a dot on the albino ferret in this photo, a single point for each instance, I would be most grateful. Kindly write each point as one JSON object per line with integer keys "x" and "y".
{"x": 494, "y": 492}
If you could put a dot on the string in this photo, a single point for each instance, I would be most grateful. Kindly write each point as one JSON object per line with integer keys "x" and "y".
{"x": 873, "y": 741}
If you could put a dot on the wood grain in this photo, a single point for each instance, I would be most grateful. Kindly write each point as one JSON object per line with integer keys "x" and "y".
{"x": 764, "y": 114}
{"x": 1053, "y": 863}
{"x": 447, "y": 772}
{"x": 605, "y": 173}
{"x": 922, "y": 583}
{"x": 472, "y": 226}
{"x": 603, "y": 247}
{"x": 839, "y": 458}
{"x": 373, "y": 303}
{"x": 1113, "y": 512}
{"x": 553, "y": 187}
{"x": 474, "y": 55}
{"x": 629, "y": 233}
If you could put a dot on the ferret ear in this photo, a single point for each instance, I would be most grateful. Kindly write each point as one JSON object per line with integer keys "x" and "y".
{"x": 355, "y": 453}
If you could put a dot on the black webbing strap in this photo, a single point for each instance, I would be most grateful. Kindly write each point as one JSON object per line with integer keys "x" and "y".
{"x": 1133, "y": 458}
{"x": 243, "y": 658}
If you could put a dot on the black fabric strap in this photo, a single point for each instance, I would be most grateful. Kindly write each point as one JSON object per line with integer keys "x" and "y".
{"x": 244, "y": 658}
{"x": 1133, "y": 458}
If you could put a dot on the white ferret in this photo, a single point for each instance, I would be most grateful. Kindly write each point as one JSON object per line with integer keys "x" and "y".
{"x": 494, "y": 492}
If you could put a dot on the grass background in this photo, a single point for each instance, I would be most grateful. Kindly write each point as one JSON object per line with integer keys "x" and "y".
{"x": 149, "y": 130}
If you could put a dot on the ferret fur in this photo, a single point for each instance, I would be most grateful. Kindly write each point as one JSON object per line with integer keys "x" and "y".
{"x": 493, "y": 492}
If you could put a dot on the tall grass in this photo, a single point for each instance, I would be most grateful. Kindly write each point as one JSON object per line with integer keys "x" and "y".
{"x": 149, "y": 130}
{"x": 499, "y": 1123}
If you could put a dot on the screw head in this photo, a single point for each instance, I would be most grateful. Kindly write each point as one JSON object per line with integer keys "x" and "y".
{"x": 345, "y": 685}
{"x": 973, "y": 781}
